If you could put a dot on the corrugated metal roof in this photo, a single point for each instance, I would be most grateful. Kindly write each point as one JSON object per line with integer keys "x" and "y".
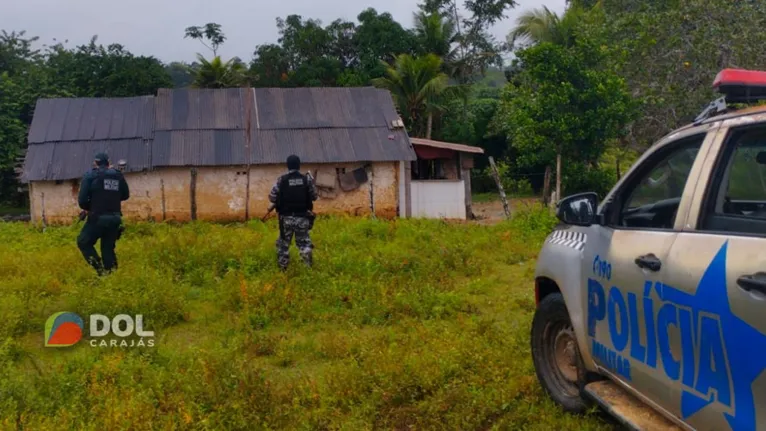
{"x": 36, "y": 162}
{"x": 199, "y": 148}
{"x": 313, "y": 108}
{"x": 332, "y": 145}
{"x": 71, "y": 159}
{"x": 88, "y": 118}
{"x": 193, "y": 127}
{"x": 200, "y": 109}
{"x": 447, "y": 145}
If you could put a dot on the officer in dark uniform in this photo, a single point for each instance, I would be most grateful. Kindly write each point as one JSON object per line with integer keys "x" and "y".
{"x": 293, "y": 195}
{"x": 101, "y": 194}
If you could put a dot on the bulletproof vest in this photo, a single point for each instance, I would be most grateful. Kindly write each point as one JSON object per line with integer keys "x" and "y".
{"x": 294, "y": 197}
{"x": 105, "y": 194}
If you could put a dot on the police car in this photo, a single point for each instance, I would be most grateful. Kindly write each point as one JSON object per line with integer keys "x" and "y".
{"x": 652, "y": 303}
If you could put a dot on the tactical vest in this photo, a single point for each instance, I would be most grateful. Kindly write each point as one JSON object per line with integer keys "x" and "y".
{"x": 105, "y": 192}
{"x": 294, "y": 197}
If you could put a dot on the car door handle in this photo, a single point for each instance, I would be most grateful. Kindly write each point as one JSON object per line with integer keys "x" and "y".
{"x": 754, "y": 282}
{"x": 650, "y": 262}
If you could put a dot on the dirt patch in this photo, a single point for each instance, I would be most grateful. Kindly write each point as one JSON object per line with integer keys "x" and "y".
{"x": 493, "y": 212}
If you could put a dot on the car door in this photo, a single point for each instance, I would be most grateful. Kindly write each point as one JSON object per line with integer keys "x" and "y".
{"x": 715, "y": 287}
{"x": 624, "y": 262}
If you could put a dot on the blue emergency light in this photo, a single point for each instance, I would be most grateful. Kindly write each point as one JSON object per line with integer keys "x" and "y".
{"x": 737, "y": 86}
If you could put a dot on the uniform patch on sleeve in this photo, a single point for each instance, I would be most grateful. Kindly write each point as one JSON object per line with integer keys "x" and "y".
{"x": 575, "y": 240}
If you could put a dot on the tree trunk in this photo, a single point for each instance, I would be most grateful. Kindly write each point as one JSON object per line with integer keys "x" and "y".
{"x": 558, "y": 174}
{"x": 617, "y": 162}
{"x": 547, "y": 186}
{"x": 429, "y": 125}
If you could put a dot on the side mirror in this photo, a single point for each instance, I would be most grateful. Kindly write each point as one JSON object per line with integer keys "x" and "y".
{"x": 579, "y": 209}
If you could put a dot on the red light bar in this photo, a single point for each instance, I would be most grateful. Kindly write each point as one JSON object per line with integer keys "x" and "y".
{"x": 741, "y": 85}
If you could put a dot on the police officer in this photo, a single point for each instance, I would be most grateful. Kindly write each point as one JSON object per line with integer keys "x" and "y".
{"x": 293, "y": 196}
{"x": 101, "y": 194}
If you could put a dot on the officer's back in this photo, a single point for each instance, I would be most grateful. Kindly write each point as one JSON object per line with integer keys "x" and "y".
{"x": 101, "y": 194}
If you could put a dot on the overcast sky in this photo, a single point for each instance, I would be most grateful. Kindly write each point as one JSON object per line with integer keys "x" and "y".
{"x": 156, "y": 27}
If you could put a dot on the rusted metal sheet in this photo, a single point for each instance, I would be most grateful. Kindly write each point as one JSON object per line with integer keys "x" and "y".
{"x": 72, "y": 159}
{"x": 199, "y": 148}
{"x": 311, "y": 108}
{"x": 90, "y": 118}
{"x": 37, "y": 162}
{"x": 446, "y": 145}
{"x": 332, "y": 145}
{"x": 200, "y": 109}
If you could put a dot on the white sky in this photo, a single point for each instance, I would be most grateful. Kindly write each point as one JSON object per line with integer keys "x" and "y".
{"x": 156, "y": 27}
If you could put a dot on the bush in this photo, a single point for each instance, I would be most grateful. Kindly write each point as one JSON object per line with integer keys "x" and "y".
{"x": 577, "y": 179}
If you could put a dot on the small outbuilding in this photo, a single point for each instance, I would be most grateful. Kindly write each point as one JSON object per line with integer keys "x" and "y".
{"x": 441, "y": 179}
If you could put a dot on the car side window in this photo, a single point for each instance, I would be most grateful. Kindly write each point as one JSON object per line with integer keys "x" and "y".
{"x": 651, "y": 199}
{"x": 736, "y": 199}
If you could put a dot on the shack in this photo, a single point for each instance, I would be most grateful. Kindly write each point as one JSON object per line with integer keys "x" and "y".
{"x": 204, "y": 154}
{"x": 441, "y": 179}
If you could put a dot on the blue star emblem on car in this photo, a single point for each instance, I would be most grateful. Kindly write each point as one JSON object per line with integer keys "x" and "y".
{"x": 742, "y": 347}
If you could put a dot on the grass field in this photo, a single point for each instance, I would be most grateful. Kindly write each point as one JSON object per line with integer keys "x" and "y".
{"x": 401, "y": 325}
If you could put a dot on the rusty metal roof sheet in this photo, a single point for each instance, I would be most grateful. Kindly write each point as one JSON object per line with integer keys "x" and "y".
{"x": 71, "y": 159}
{"x": 332, "y": 145}
{"x": 328, "y": 107}
{"x": 201, "y": 109}
{"x": 89, "y": 118}
{"x": 199, "y": 148}
{"x": 447, "y": 145}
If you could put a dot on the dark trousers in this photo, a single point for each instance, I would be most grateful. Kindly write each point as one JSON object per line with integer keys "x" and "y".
{"x": 107, "y": 229}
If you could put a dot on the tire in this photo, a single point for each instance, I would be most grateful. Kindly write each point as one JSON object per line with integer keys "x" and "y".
{"x": 556, "y": 356}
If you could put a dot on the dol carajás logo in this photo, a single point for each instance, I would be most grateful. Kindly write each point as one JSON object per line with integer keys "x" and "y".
{"x": 63, "y": 329}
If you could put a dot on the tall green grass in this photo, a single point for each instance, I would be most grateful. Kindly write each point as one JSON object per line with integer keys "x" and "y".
{"x": 406, "y": 324}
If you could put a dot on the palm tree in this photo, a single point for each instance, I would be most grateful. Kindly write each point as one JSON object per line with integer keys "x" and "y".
{"x": 418, "y": 86}
{"x": 219, "y": 74}
{"x": 437, "y": 34}
{"x": 542, "y": 25}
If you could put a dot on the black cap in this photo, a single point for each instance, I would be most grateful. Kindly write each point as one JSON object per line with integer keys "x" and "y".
{"x": 102, "y": 159}
{"x": 293, "y": 162}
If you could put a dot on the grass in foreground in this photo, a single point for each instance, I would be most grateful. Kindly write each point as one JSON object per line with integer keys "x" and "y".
{"x": 408, "y": 324}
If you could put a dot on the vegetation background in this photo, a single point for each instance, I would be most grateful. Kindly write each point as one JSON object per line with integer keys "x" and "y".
{"x": 581, "y": 94}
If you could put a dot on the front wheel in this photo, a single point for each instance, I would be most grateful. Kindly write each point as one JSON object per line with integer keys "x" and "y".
{"x": 555, "y": 354}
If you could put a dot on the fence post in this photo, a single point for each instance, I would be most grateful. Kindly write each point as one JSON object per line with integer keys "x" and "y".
{"x": 499, "y": 187}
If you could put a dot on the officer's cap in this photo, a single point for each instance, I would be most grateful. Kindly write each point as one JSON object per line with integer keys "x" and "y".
{"x": 102, "y": 158}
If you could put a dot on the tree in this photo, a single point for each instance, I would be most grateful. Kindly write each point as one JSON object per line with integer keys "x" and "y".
{"x": 270, "y": 66}
{"x": 181, "y": 74}
{"x": 211, "y": 32}
{"x": 378, "y": 37}
{"x": 97, "y": 71}
{"x": 219, "y": 74}
{"x": 542, "y": 25}
{"x": 566, "y": 105}
{"x": 418, "y": 86}
{"x": 669, "y": 53}
{"x": 436, "y": 34}
{"x": 476, "y": 47}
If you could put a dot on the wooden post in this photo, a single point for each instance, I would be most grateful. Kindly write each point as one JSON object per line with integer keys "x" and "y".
{"x": 372, "y": 194}
{"x": 193, "y": 191}
{"x": 547, "y": 186}
{"x": 499, "y": 186}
